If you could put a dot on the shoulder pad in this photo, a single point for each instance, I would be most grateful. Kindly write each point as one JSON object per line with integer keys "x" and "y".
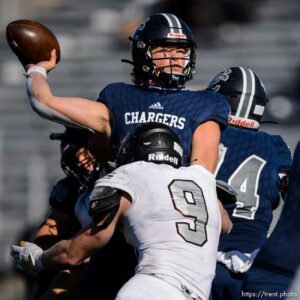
{"x": 103, "y": 199}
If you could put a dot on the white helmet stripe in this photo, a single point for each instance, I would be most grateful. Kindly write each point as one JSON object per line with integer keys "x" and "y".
{"x": 174, "y": 23}
{"x": 251, "y": 94}
{"x": 238, "y": 112}
{"x": 248, "y": 99}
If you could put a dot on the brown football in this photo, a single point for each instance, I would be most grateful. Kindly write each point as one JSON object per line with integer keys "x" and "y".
{"x": 31, "y": 41}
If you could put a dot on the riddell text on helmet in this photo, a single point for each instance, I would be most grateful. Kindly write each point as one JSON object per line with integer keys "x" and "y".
{"x": 162, "y": 157}
{"x": 176, "y": 35}
{"x": 242, "y": 122}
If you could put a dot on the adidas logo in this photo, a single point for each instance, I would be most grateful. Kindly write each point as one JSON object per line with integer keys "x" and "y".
{"x": 156, "y": 105}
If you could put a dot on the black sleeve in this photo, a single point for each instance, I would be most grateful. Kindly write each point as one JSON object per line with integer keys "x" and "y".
{"x": 104, "y": 203}
{"x": 225, "y": 193}
{"x": 64, "y": 195}
{"x": 283, "y": 183}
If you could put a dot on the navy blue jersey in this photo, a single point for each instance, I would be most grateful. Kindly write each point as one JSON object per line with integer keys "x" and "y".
{"x": 250, "y": 162}
{"x": 281, "y": 252}
{"x": 182, "y": 110}
{"x": 64, "y": 195}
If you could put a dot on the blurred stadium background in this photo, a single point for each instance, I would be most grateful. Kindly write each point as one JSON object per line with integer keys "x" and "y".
{"x": 260, "y": 34}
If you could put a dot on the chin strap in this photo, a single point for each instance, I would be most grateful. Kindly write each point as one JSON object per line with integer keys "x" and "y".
{"x": 269, "y": 122}
{"x": 127, "y": 61}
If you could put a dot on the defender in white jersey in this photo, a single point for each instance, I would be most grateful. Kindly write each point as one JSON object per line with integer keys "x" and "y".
{"x": 173, "y": 221}
{"x": 170, "y": 215}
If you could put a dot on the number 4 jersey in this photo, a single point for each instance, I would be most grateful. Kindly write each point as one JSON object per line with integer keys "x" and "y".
{"x": 251, "y": 162}
{"x": 174, "y": 221}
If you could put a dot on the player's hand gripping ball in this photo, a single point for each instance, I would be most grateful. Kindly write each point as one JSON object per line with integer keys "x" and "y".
{"x": 31, "y": 41}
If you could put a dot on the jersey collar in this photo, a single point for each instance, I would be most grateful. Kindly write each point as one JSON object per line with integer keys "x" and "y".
{"x": 161, "y": 88}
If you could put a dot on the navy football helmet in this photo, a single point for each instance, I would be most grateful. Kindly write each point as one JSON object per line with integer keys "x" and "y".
{"x": 72, "y": 140}
{"x": 246, "y": 95}
{"x": 161, "y": 30}
{"x": 152, "y": 142}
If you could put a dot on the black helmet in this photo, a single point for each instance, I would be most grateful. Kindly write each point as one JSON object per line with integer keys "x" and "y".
{"x": 152, "y": 142}
{"x": 246, "y": 95}
{"x": 161, "y": 30}
{"x": 72, "y": 140}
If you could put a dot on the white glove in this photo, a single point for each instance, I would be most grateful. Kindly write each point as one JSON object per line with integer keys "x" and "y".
{"x": 28, "y": 257}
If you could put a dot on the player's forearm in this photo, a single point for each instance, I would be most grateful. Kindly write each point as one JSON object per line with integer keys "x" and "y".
{"x": 208, "y": 159}
{"x": 74, "y": 252}
{"x": 41, "y": 100}
{"x": 226, "y": 223}
{"x": 40, "y": 87}
{"x": 205, "y": 146}
{"x": 69, "y": 111}
{"x": 62, "y": 255}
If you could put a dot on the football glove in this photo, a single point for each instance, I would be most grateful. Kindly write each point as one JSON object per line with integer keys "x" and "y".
{"x": 226, "y": 194}
{"x": 28, "y": 257}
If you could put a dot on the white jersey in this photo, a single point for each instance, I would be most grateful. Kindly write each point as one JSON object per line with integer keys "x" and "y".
{"x": 174, "y": 222}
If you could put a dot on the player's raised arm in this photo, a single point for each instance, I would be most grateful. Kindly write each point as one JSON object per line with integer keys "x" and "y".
{"x": 70, "y": 111}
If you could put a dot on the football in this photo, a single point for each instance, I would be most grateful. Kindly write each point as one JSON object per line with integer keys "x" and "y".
{"x": 31, "y": 41}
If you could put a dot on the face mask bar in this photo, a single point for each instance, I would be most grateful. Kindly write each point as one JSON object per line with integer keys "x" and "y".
{"x": 173, "y": 59}
{"x": 170, "y": 77}
{"x": 79, "y": 168}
